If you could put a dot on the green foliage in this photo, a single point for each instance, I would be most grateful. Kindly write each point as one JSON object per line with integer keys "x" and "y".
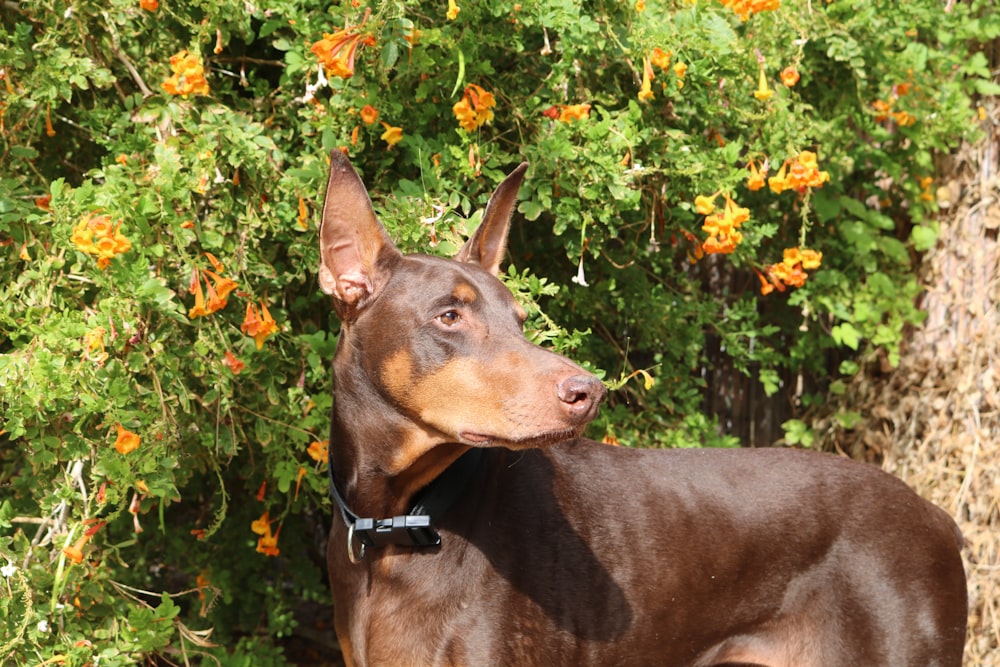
{"x": 111, "y": 554}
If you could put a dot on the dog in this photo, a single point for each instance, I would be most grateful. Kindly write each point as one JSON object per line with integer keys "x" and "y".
{"x": 477, "y": 527}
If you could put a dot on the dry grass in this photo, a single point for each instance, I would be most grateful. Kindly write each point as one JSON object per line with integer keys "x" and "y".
{"x": 935, "y": 420}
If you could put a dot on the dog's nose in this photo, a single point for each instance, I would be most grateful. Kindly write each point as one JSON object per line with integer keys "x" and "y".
{"x": 581, "y": 394}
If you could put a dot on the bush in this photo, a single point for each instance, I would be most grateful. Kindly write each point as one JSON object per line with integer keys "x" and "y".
{"x": 164, "y": 349}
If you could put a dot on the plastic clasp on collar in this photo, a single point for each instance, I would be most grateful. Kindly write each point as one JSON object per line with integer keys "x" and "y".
{"x": 406, "y": 531}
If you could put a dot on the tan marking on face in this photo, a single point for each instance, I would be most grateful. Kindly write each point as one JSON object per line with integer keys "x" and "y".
{"x": 396, "y": 374}
{"x": 464, "y": 292}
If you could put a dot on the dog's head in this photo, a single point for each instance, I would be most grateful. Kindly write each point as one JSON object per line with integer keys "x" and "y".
{"x": 440, "y": 341}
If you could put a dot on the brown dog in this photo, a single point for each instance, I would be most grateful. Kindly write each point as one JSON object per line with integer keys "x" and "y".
{"x": 479, "y": 528}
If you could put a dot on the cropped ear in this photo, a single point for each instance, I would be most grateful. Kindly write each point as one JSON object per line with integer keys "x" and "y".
{"x": 487, "y": 244}
{"x": 351, "y": 240}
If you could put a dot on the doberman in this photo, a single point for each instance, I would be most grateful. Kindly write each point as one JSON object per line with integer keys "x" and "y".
{"x": 478, "y": 528}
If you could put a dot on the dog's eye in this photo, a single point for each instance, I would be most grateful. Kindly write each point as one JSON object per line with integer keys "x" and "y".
{"x": 449, "y": 318}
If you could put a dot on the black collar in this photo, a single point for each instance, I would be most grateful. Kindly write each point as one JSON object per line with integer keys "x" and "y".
{"x": 414, "y": 529}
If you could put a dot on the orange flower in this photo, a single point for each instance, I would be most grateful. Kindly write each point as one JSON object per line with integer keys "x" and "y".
{"x": 198, "y": 309}
{"x": 336, "y": 52}
{"x": 304, "y": 212}
{"x": 766, "y": 286}
{"x": 75, "y": 552}
{"x": 262, "y": 525}
{"x": 259, "y": 326}
{"x": 475, "y": 109}
{"x": 231, "y": 362}
{"x": 745, "y": 8}
{"x": 453, "y": 10}
{"x": 149, "y": 5}
{"x": 267, "y": 543}
{"x": 756, "y": 180}
{"x": 318, "y": 450}
{"x": 723, "y": 236}
{"x": 369, "y": 114}
{"x": 392, "y": 135}
{"x": 126, "y": 441}
{"x": 223, "y": 286}
{"x": 188, "y": 76}
{"x": 789, "y": 76}
{"x": 567, "y": 113}
{"x": 214, "y": 303}
{"x": 646, "y": 88}
{"x": 298, "y": 481}
{"x": 790, "y": 271}
{"x": 95, "y": 235}
{"x": 799, "y": 174}
{"x": 660, "y": 58}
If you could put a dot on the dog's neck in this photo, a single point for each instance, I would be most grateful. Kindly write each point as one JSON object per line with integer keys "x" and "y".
{"x": 380, "y": 459}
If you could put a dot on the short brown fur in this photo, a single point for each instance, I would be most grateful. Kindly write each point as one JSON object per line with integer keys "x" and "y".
{"x": 563, "y": 551}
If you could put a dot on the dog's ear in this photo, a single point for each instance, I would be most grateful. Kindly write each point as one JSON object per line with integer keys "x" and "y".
{"x": 487, "y": 245}
{"x": 351, "y": 240}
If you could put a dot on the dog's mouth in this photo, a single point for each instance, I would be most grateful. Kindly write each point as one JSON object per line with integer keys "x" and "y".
{"x": 538, "y": 440}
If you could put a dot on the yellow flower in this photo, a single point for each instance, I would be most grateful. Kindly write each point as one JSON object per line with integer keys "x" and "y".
{"x": 646, "y": 88}
{"x": 93, "y": 346}
{"x": 763, "y": 92}
{"x": 778, "y": 183}
{"x": 680, "y": 70}
{"x": 704, "y": 205}
{"x": 453, "y": 10}
{"x": 126, "y": 441}
{"x": 392, "y": 135}
{"x": 811, "y": 259}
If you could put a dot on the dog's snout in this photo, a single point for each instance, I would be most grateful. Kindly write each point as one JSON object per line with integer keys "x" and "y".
{"x": 581, "y": 393}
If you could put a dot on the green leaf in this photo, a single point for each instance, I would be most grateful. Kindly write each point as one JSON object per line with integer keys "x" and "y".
{"x": 845, "y": 334}
{"x": 924, "y": 237}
